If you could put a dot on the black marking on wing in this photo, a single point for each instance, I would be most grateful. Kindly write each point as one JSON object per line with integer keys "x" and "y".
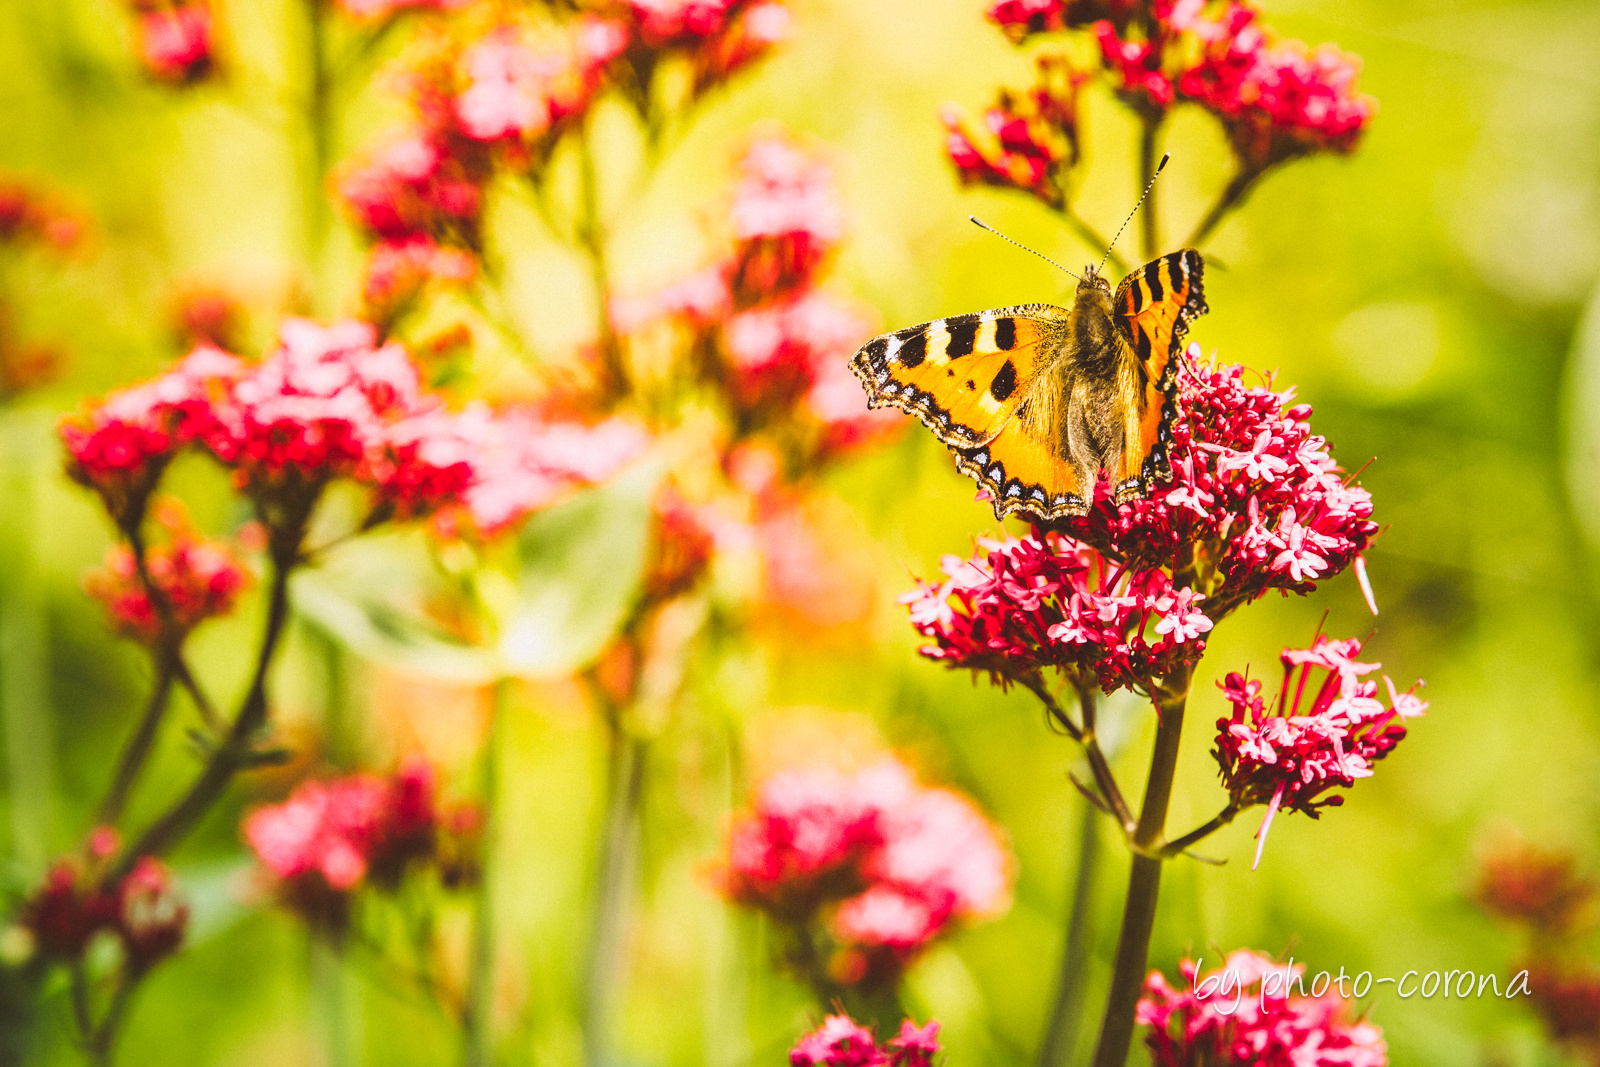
{"x": 1012, "y": 494}
{"x": 963, "y": 336}
{"x": 1005, "y": 382}
{"x": 1005, "y": 334}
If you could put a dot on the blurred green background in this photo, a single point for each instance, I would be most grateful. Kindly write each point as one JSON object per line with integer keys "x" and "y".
{"x": 1427, "y": 295}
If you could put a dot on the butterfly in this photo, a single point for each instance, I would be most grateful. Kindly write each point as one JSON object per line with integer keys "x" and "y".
{"x": 1036, "y": 400}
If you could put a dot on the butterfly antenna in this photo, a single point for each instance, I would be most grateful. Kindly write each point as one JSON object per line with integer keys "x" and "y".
{"x": 984, "y": 225}
{"x": 1159, "y": 168}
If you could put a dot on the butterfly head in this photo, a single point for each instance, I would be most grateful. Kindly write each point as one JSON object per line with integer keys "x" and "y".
{"x": 1091, "y": 279}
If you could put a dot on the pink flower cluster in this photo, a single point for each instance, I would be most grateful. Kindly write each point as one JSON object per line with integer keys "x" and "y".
{"x": 176, "y": 39}
{"x": 1244, "y": 1013}
{"x": 885, "y": 864}
{"x": 76, "y": 902}
{"x": 1290, "y": 759}
{"x": 718, "y": 38}
{"x": 842, "y": 1042}
{"x": 1028, "y": 140}
{"x": 1540, "y": 887}
{"x": 374, "y": 10}
{"x": 191, "y": 578}
{"x": 329, "y": 838}
{"x": 1276, "y": 99}
{"x": 331, "y": 403}
{"x": 524, "y": 88}
{"x": 1251, "y": 485}
{"x": 776, "y": 346}
{"x": 1019, "y": 606}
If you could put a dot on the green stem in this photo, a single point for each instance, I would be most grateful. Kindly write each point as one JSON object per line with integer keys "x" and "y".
{"x": 477, "y": 1011}
{"x": 1144, "y": 882}
{"x": 1232, "y": 196}
{"x": 330, "y": 983}
{"x": 319, "y": 141}
{"x": 139, "y": 745}
{"x": 1195, "y": 836}
{"x": 1066, "y": 1012}
{"x": 605, "y": 971}
{"x": 234, "y": 751}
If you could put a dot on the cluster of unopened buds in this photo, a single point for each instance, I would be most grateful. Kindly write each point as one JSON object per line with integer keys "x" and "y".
{"x": 1255, "y": 503}
{"x": 81, "y": 899}
{"x": 1319, "y": 736}
{"x": 332, "y": 838}
{"x": 1245, "y": 1012}
{"x": 842, "y": 1042}
{"x": 331, "y": 403}
{"x": 879, "y": 864}
{"x": 1276, "y": 99}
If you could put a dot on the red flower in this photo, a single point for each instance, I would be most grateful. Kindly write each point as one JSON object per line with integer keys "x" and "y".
{"x": 1290, "y": 759}
{"x": 175, "y": 41}
{"x": 417, "y": 182}
{"x": 1277, "y": 100}
{"x": 899, "y": 864}
{"x": 842, "y": 1042}
{"x": 330, "y": 838}
{"x": 1244, "y": 1013}
{"x": 399, "y": 270}
{"x": 786, "y": 219}
{"x": 1028, "y": 140}
{"x": 29, "y": 215}
{"x": 194, "y": 578}
{"x": 67, "y": 911}
{"x": 524, "y": 89}
{"x": 1569, "y": 1001}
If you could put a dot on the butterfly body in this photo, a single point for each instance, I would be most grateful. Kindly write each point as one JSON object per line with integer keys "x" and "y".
{"x": 1037, "y": 400}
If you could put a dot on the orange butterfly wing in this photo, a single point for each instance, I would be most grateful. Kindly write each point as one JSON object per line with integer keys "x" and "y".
{"x": 968, "y": 378}
{"x": 1152, "y": 308}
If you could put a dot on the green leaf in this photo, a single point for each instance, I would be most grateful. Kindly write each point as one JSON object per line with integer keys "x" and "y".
{"x": 582, "y": 562}
{"x": 381, "y": 631}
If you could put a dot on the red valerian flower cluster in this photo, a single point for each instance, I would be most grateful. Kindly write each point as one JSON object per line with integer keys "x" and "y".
{"x": 1290, "y": 759}
{"x": 330, "y": 838}
{"x": 717, "y": 38}
{"x": 1568, "y": 1000}
{"x": 191, "y": 578}
{"x": 331, "y": 403}
{"x": 1244, "y": 1013}
{"x": 769, "y": 340}
{"x": 886, "y": 866}
{"x": 1027, "y": 140}
{"x": 76, "y": 902}
{"x": 176, "y": 39}
{"x": 842, "y": 1042}
{"x": 1277, "y": 100}
{"x": 1046, "y": 600}
{"x": 1255, "y": 503}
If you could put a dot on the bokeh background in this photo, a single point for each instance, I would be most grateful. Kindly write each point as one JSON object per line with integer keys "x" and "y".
{"x": 1433, "y": 296}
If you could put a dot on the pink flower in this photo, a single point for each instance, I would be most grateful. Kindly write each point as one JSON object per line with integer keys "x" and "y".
{"x": 1290, "y": 759}
{"x": 67, "y": 910}
{"x": 1019, "y": 606}
{"x": 899, "y": 864}
{"x": 521, "y": 88}
{"x": 777, "y": 351}
{"x": 399, "y": 270}
{"x": 522, "y": 462}
{"x": 382, "y": 9}
{"x": 151, "y": 916}
{"x": 786, "y": 218}
{"x": 194, "y": 579}
{"x": 330, "y": 838}
{"x": 1027, "y": 140}
{"x": 1277, "y": 100}
{"x": 1244, "y": 1013}
{"x": 838, "y": 403}
{"x": 842, "y": 1042}
{"x": 750, "y": 36}
{"x": 417, "y": 182}
{"x": 175, "y": 41}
